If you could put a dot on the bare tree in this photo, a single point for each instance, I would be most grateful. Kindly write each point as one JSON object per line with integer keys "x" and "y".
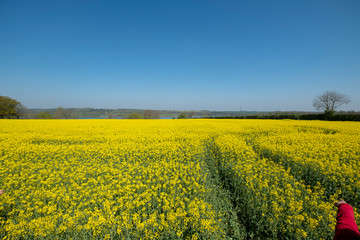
{"x": 329, "y": 101}
{"x": 44, "y": 115}
{"x": 22, "y": 111}
{"x": 62, "y": 113}
{"x": 151, "y": 114}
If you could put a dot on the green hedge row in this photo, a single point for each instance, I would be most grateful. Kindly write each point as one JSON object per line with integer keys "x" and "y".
{"x": 335, "y": 117}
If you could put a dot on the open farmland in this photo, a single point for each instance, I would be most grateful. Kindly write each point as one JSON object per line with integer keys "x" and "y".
{"x": 176, "y": 179}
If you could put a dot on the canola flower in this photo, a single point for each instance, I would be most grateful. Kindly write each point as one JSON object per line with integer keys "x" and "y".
{"x": 175, "y": 179}
{"x": 272, "y": 202}
{"x": 103, "y": 179}
{"x": 325, "y": 155}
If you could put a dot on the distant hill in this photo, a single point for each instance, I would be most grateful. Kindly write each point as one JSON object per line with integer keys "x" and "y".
{"x": 102, "y": 113}
{"x": 121, "y": 113}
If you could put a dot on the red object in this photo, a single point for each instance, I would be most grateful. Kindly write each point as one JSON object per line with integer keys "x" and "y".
{"x": 346, "y": 228}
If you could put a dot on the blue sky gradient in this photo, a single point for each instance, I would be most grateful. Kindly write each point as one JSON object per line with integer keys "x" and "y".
{"x": 184, "y": 55}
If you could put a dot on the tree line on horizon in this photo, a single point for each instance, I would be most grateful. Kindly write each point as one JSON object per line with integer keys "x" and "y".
{"x": 328, "y": 102}
{"x": 62, "y": 113}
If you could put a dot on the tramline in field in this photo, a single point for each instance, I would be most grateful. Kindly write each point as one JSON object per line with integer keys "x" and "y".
{"x": 176, "y": 179}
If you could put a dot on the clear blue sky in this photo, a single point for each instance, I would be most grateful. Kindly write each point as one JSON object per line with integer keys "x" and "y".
{"x": 184, "y": 55}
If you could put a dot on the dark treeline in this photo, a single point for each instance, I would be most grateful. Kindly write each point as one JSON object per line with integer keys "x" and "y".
{"x": 321, "y": 116}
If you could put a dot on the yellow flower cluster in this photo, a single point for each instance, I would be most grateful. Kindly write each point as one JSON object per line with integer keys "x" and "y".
{"x": 326, "y": 154}
{"x": 273, "y": 203}
{"x": 103, "y": 179}
{"x": 175, "y": 179}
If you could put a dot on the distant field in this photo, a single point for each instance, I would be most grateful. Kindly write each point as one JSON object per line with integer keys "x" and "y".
{"x": 176, "y": 179}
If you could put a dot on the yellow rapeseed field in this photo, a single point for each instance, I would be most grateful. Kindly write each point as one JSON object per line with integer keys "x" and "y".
{"x": 176, "y": 179}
